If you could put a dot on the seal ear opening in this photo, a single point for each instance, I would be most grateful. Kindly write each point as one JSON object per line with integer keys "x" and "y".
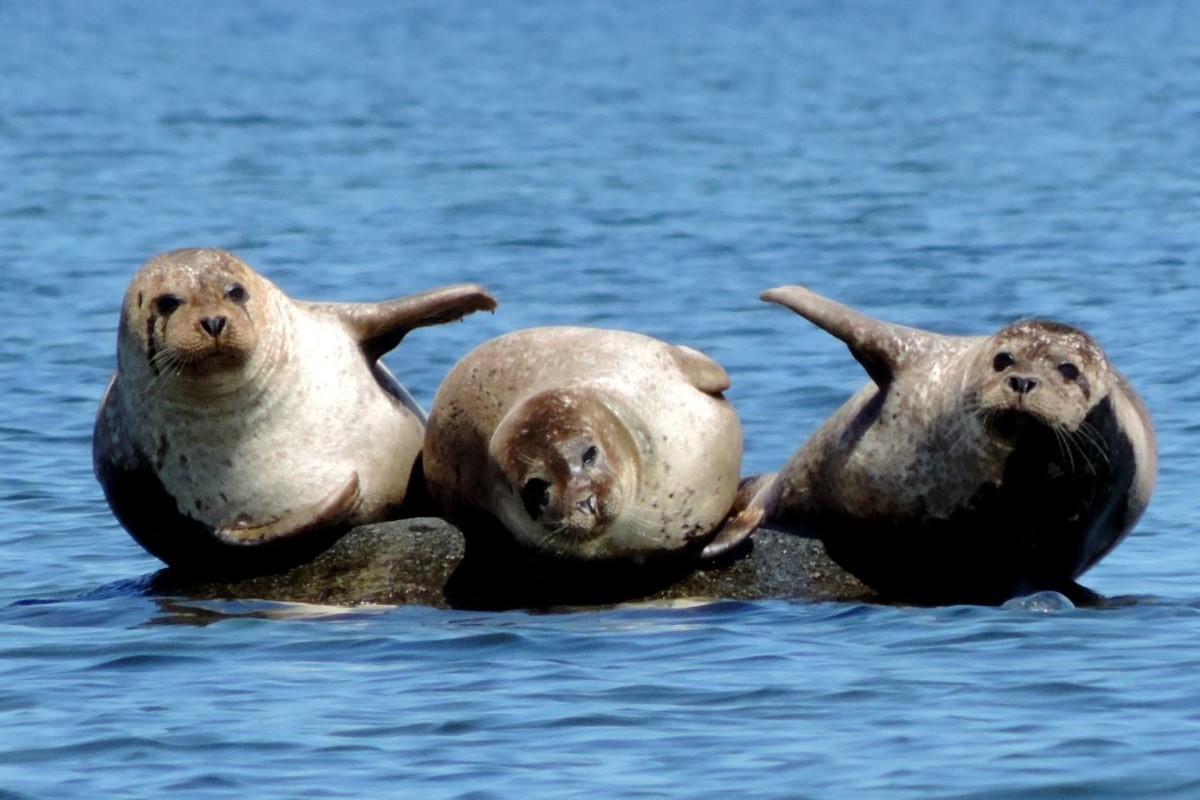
{"x": 883, "y": 348}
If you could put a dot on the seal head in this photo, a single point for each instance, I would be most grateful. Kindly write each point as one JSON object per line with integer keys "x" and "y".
{"x": 188, "y": 323}
{"x": 568, "y": 465}
{"x": 1045, "y": 371}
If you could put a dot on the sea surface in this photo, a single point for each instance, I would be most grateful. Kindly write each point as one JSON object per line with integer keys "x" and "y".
{"x": 651, "y": 165}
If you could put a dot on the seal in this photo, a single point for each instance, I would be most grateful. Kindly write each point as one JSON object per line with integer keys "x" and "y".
{"x": 971, "y": 468}
{"x": 243, "y": 427}
{"x": 587, "y": 444}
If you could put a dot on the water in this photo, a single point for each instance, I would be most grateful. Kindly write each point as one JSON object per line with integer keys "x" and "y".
{"x": 652, "y": 166}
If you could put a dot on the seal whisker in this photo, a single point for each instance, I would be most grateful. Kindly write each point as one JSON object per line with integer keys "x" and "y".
{"x": 1095, "y": 438}
{"x": 1062, "y": 439}
{"x": 1091, "y": 448}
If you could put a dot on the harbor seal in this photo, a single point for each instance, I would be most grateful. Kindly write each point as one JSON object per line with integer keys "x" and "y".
{"x": 587, "y": 444}
{"x": 971, "y": 468}
{"x": 243, "y": 427}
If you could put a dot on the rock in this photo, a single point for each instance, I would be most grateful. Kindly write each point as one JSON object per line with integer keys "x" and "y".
{"x": 429, "y": 562}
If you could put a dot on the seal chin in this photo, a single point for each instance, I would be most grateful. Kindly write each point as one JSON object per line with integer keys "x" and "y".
{"x": 210, "y": 360}
{"x": 204, "y": 372}
{"x": 1016, "y": 416}
{"x": 1012, "y": 423}
{"x": 575, "y": 530}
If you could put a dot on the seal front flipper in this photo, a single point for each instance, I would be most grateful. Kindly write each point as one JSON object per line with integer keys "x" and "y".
{"x": 379, "y": 327}
{"x": 332, "y": 510}
{"x": 751, "y": 507}
{"x": 883, "y": 348}
{"x": 701, "y": 371}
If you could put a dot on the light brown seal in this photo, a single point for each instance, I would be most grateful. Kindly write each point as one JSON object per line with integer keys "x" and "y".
{"x": 239, "y": 419}
{"x": 972, "y": 467}
{"x": 587, "y": 443}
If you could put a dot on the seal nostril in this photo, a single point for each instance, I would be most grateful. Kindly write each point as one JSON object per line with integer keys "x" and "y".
{"x": 535, "y": 494}
{"x": 588, "y": 505}
{"x": 1022, "y": 385}
{"x": 214, "y": 325}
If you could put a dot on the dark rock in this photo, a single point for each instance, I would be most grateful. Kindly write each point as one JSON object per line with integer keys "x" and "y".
{"x": 429, "y": 562}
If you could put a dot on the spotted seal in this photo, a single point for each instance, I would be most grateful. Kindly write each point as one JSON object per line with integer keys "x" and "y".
{"x": 971, "y": 468}
{"x": 240, "y": 420}
{"x": 589, "y": 444}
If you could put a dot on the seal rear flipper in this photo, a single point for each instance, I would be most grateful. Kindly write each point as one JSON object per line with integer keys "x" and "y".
{"x": 701, "y": 371}
{"x": 379, "y": 327}
{"x": 883, "y": 348}
{"x": 332, "y": 510}
{"x": 751, "y": 507}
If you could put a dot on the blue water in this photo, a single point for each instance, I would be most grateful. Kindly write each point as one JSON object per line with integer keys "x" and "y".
{"x": 646, "y": 165}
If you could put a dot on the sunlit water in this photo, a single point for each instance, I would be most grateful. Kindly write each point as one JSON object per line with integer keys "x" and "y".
{"x": 651, "y": 166}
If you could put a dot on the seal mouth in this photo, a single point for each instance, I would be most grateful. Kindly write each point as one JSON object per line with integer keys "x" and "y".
{"x": 216, "y": 357}
{"x": 1012, "y": 423}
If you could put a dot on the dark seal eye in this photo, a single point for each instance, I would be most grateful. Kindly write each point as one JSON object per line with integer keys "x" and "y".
{"x": 1069, "y": 371}
{"x": 1003, "y": 361}
{"x": 589, "y": 456}
{"x": 237, "y": 293}
{"x": 535, "y": 494}
{"x": 166, "y": 304}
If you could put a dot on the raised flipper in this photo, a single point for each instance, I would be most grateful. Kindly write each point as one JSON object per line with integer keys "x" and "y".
{"x": 332, "y": 510}
{"x": 754, "y": 500}
{"x": 883, "y": 348}
{"x": 701, "y": 371}
{"x": 378, "y": 327}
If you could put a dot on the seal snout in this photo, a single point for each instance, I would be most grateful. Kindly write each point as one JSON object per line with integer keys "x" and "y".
{"x": 1022, "y": 385}
{"x": 214, "y": 325}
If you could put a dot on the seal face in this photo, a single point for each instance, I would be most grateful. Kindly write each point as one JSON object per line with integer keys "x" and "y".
{"x": 240, "y": 421}
{"x": 587, "y": 443}
{"x": 572, "y": 463}
{"x": 972, "y": 467}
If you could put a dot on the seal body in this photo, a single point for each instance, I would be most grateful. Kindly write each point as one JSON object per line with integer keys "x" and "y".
{"x": 971, "y": 468}
{"x": 587, "y": 443}
{"x": 240, "y": 420}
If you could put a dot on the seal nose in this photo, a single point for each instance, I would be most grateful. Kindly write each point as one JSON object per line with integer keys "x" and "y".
{"x": 588, "y": 505}
{"x": 1022, "y": 385}
{"x": 214, "y": 325}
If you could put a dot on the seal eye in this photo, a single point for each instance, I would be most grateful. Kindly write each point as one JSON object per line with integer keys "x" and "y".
{"x": 166, "y": 304}
{"x": 1069, "y": 371}
{"x": 535, "y": 494}
{"x": 589, "y": 456}
{"x": 237, "y": 293}
{"x": 1003, "y": 361}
